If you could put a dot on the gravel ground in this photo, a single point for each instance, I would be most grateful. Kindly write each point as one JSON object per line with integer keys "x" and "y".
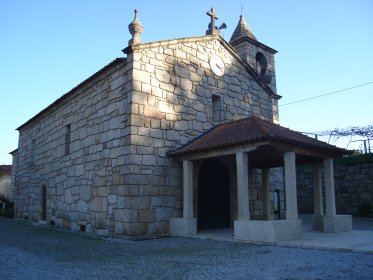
{"x": 29, "y": 252}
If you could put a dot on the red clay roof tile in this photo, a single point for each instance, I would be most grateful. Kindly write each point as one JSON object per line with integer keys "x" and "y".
{"x": 5, "y": 169}
{"x": 248, "y": 131}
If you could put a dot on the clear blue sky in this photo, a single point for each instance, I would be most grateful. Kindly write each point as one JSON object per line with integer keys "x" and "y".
{"x": 48, "y": 47}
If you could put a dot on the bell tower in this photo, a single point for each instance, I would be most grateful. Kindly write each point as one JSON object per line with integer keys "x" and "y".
{"x": 259, "y": 56}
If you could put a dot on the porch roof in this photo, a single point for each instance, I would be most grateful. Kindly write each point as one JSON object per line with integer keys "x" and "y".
{"x": 272, "y": 140}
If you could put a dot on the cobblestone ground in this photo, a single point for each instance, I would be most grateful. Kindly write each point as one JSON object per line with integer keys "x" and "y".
{"x": 29, "y": 252}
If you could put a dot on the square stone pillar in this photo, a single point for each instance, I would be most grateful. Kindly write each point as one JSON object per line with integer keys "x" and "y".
{"x": 188, "y": 189}
{"x": 267, "y": 207}
{"x": 329, "y": 187}
{"x": 290, "y": 186}
{"x": 267, "y": 231}
{"x": 187, "y": 225}
{"x": 317, "y": 218}
{"x": 242, "y": 186}
{"x": 331, "y": 221}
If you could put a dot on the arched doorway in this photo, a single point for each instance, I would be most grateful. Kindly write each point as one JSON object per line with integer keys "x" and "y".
{"x": 213, "y": 195}
{"x": 44, "y": 203}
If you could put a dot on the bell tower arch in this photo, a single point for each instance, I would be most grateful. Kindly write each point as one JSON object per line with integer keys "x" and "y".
{"x": 259, "y": 56}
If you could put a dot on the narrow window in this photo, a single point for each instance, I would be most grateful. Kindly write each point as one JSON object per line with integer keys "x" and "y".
{"x": 67, "y": 139}
{"x": 32, "y": 152}
{"x": 217, "y": 108}
{"x": 44, "y": 203}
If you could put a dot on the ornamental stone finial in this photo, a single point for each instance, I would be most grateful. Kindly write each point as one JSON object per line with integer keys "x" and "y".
{"x": 212, "y": 29}
{"x": 135, "y": 28}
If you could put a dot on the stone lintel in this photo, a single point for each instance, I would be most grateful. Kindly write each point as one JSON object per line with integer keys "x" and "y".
{"x": 337, "y": 223}
{"x": 268, "y": 231}
{"x": 183, "y": 226}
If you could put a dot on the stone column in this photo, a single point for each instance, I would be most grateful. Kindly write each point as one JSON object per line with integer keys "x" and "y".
{"x": 188, "y": 188}
{"x": 290, "y": 186}
{"x": 242, "y": 186}
{"x": 187, "y": 225}
{"x": 267, "y": 207}
{"x": 318, "y": 216}
{"x": 317, "y": 191}
{"x": 331, "y": 221}
{"x": 329, "y": 187}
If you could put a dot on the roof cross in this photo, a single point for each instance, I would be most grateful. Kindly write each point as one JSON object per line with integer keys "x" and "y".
{"x": 212, "y": 29}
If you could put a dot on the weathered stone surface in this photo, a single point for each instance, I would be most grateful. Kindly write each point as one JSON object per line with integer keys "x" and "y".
{"x": 146, "y": 216}
{"x": 112, "y": 198}
{"x": 82, "y": 207}
{"x": 152, "y": 112}
{"x": 68, "y": 197}
{"x": 126, "y": 215}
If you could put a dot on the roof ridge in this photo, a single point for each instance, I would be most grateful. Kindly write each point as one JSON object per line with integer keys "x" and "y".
{"x": 257, "y": 121}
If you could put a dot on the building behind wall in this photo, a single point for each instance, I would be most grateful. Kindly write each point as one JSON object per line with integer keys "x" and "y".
{"x": 97, "y": 158}
{"x": 5, "y": 180}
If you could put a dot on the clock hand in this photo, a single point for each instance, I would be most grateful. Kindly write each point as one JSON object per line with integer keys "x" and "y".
{"x": 217, "y": 65}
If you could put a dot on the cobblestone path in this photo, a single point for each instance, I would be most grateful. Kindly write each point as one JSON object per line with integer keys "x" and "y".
{"x": 29, "y": 252}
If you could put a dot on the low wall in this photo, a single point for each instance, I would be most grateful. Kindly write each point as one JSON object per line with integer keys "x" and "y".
{"x": 353, "y": 185}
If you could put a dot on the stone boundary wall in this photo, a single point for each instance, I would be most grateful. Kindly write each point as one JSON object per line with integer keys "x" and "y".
{"x": 353, "y": 186}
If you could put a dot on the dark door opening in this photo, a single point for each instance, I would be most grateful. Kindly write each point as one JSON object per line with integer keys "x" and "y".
{"x": 44, "y": 203}
{"x": 213, "y": 195}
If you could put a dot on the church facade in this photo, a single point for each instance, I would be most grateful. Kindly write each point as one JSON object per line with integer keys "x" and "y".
{"x": 107, "y": 157}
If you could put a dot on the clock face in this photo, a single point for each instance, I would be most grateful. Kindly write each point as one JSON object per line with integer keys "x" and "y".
{"x": 217, "y": 65}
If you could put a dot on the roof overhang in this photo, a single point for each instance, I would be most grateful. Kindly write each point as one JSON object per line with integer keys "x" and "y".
{"x": 267, "y": 154}
{"x": 254, "y": 42}
{"x": 265, "y": 142}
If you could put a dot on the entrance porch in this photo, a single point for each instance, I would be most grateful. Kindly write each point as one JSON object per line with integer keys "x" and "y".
{"x": 254, "y": 143}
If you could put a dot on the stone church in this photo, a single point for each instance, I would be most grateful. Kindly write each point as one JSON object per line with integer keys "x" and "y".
{"x": 176, "y": 137}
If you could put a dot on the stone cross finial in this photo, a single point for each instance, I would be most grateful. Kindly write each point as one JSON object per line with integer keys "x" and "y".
{"x": 135, "y": 28}
{"x": 212, "y": 29}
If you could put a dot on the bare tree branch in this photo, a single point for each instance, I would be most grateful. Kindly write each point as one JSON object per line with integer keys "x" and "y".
{"x": 366, "y": 131}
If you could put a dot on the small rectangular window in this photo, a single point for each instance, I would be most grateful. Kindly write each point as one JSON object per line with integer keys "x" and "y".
{"x": 217, "y": 108}
{"x": 67, "y": 139}
{"x": 32, "y": 152}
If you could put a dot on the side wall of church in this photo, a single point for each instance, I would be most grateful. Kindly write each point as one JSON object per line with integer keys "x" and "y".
{"x": 172, "y": 103}
{"x": 78, "y": 152}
